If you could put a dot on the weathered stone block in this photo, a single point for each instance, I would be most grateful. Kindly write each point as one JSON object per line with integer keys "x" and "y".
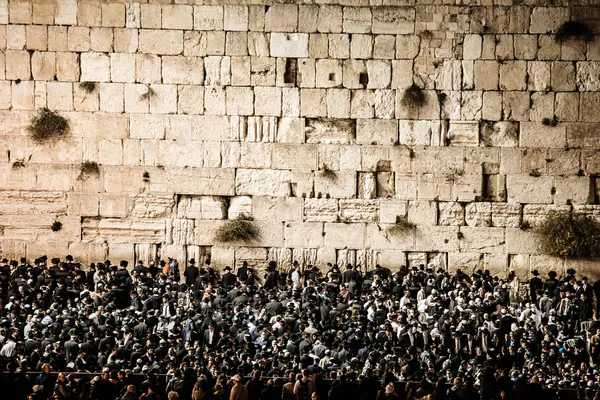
{"x": 538, "y": 135}
{"x": 303, "y": 234}
{"x": 573, "y": 190}
{"x": 451, "y": 214}
{"x": 500, "y": 134}
{"x": 290, "y": 45}
{"x": 344, "y": 235}
{"x": 208, "y": 18}
{"x": 165, "y": 42}
{"x": 367, "y": 185}
{"x": 177, "y": 17}
{"x": 395, "y": 20}
{"x": 529, "y": 189}
{"x": 463, "y": 133}
{"x": 423, "y": 212}
{"x": 483, "y": 240}
{"x": 583, "y": 135}
{"x": 376, "y": 131}
{"x": 506, "y": 215}
{"x": 478, "y": 214}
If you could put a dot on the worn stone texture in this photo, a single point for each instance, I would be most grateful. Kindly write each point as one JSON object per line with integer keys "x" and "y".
{"x": 296, "y": 116}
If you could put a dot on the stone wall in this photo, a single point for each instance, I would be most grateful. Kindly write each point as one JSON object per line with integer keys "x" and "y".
{"x": 294, "y": 114}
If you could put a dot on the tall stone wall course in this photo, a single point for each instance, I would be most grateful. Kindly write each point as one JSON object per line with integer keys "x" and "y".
{"x": 210, "y": 103}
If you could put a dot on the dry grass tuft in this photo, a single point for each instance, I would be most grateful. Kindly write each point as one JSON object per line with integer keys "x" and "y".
{"x": 48, "y": 125}
{"x": 241, "y": 229}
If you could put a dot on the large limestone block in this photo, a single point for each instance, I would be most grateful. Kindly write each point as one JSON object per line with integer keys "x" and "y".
{"x": 536, "y": 214}
{"x": 29, "y": 203}
{"x": 295, "y": 157}
{"x": 436, "y": 238}
{"x": 262, "y": 182}
{"x": 506, "y": 215}
{"x": 466, "y": 262}
{"x": 208, "y": 18}
{"x": 321, "y": 210}
{"x": 484, "y": 240}
{"x": 152, "y": 205}
{"x": 303, "y": 234}
{"x": 121, "y": 230}
{"x": 277, "y": 208}
{"x": 95, "y": 67}
{"x": 281, "y": 18}
{"x": 255, "y": 155}
{"x": 383, "y": 237}
{"x": 463, "y": 133}
{"x": 238, "y": 206}
{"x": 177, "y": 17}
{"x": 18, "y": 65}
{"x": 350, "y": 236}
{"x": 521, "y": 242}
{"x": 330, "y": 19}
{"x": 359, "y": 210}
{"x": 394, "y": 20}
{"x": 419, "y": 133}
{"x": 544, "y": 264}
{"x": 391, "y": 209}
{"x": 83, "y": 204}
{"x": 573, "y": 190}
{"x": 440, "y": 160}
{"x": 529, "y": 189}
{"x": 216, "y": 181}
{"x": 183, "y": 70}
{"x": 500, "y": 134}
{"x": 478, "y": 214}
{"x": 179, "y": 231}
{"x": 548, "y": 19}
{"x": 165, "y": 42}
{"x": 587, "y": 76}
{"x": 583, "y": 135}
{"x": 367, "y": 185}
{"x": 343, "y": 187}
{"x": 289, "y": 45}
{"x": 423, "y": 212}
{"x": 472, "y": 47}
{"x": 535, "y": 134}
{"x": 451, "y": 214}
{"x": 374, "y": 131}
{"x": 324, "y": 130}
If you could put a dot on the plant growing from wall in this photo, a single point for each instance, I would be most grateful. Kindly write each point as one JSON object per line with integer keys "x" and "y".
{"x": 87, "y": 170}
{"x": 549, "y": 122}
{"x": 414, "y": 97}
{"x": 148, "y": 95}
{"x": 146, "y": 176}
{"x": 241, "y": 229}
{"x": 564, "y": 235}
{"x": 56, "y": 226}
{"x": 89, "y": 87}
{"x": 401, "y": 227}
{"x": 48, "y": 125}
{"x": 328, "y": 173}
{"x": 18, "y": 164}
{"x": 574, "y": 30}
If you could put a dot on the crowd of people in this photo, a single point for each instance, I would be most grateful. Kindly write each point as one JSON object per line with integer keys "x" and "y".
{"x": 297, "y": 333}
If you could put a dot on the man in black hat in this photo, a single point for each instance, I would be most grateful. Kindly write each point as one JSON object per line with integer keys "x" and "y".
{"x": 191, "y": 273}
{"x": 535, "y": 284}
{"x": 272, "y": 276}
{"x": 242, "y": 272}
{"x": 228, "y": 278}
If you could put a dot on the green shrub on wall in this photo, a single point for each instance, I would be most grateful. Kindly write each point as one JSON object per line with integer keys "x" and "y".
{"x": 47, "y": 126}
{"x": 564, "y": 235}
